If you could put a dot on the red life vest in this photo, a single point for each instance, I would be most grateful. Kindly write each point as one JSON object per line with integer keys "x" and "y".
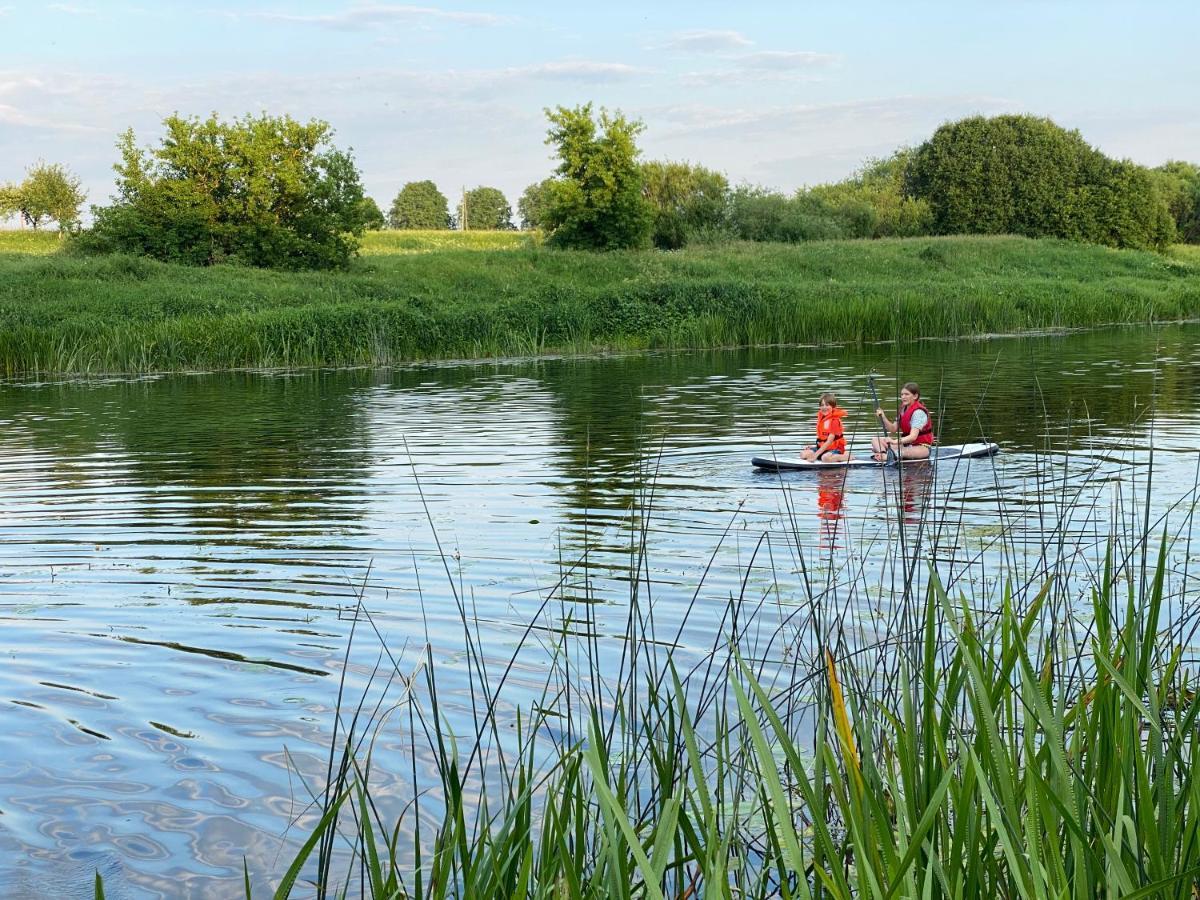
{"x": 829, "y": 424}
{"x": 925, "y": 435}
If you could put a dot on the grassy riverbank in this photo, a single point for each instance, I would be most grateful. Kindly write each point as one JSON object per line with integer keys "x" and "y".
{"x": 414, "y": 296}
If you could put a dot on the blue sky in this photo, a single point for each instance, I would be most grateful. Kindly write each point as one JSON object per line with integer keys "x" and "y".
{"x": 779, "y": 94}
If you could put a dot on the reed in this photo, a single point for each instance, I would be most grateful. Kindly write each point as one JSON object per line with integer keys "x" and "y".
{"x": 1022, "y": 738}
{"x": 66, "y": 314}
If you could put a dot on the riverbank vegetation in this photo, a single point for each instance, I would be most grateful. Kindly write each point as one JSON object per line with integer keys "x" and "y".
{"x": 118, "y": 313}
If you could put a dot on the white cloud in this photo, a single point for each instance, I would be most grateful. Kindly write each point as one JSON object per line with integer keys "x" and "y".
{"x": 707, "y": 41}
{"x": 786, "y": 60}
{"x": 370, "y": 16}
{"x": 71, "y": 9}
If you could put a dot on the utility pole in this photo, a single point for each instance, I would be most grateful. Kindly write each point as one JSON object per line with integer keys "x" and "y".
{"x": 462, "y": 207}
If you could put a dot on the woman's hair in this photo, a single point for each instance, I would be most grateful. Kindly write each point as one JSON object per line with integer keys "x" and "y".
{"x": 912, "y": 388}
{"x": 828, "y": 398}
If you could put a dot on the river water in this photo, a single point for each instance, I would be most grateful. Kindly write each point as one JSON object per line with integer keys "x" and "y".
{"x": 181, "y": 556}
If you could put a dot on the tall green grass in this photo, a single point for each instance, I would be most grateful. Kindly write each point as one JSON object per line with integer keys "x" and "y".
{"x": 1028, "y": 740}
{"x": 62, "y": 314}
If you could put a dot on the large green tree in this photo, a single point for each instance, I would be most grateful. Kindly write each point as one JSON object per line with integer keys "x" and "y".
{"x": 598, "y": 201}
{"x": 420, "y": 205}
{"x": 533, "y": 204}
{"x": 49, "y": 193}
{"x": 1025, "y": 175}
{"x": 264, "y": 190}
{"x": 1179, "y": 183}
{"x": 485, "y": 209}
{"x": 686, "y": 199}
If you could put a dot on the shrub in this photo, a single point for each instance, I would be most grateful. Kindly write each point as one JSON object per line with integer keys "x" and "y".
{"x": 1025, "y": 175}
{"x": 266, "y": 191}
{"x": 686, "y": 199}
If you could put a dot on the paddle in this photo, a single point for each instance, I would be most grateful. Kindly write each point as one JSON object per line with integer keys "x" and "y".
{"x": 891, "y": 454}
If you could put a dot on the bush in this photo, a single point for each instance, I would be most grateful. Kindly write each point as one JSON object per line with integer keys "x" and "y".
{"x": 265, "y": 191}
{"x": 879, "y": 187}
{"x": 686, "y": 199}
{"x": 1025, "y": 175}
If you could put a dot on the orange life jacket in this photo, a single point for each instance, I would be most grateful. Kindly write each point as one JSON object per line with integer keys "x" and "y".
{"x": 829, "y": 424}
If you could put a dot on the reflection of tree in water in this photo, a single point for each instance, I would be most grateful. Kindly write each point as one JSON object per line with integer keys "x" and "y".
{"x": 1016, "y": 390}
{"x": 231, "y": 450}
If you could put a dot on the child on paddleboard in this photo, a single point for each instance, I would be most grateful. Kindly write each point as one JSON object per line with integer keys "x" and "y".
{"x": 913, "y": 428}
{"x": 831, "y": 441}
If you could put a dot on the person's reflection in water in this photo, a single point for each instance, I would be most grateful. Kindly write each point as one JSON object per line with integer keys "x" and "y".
{"x": 915, "y": 480}
{"x": 831, "y": 494}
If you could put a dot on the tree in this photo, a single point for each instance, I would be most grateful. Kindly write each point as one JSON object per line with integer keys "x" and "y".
{"x": 685, "y": 199}
{"x": 1026, "y": 175}
{"x": 49, "y": 193}
{"x": 267, "y": 191}
{"x": 532, "y": 205}
{"x": 1179, "y": 184}
{"x": 598, "y": 201}
{"x": 485, "y": 209}
{"x": 372, "y": 215}
{"x": 420, "y": 205}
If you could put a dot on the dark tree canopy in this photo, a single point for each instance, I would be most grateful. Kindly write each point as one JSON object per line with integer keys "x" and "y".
{"x": 1025, "y": 175}
{"x": 485, "y": 209}
{"x": 598, "y": 201}
{"x": 49, "y": 193}
{"x": 420, "y": 205}
{"x": 262, "y": 190}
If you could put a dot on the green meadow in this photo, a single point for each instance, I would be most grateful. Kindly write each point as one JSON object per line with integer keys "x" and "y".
{"x": 435, "y": 295}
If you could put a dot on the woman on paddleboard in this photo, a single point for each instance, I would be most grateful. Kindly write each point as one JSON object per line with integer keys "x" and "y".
{"x": 831, "y": 440}
{"x": 913, "y": 428}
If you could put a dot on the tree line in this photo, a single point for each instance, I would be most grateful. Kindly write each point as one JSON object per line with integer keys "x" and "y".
{"x": 272, "y": 191}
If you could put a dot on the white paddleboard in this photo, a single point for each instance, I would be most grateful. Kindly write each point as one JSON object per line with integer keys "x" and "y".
{"x": 942, "y": 453}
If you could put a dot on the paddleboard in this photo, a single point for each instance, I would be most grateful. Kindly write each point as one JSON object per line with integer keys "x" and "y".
{"x": 942, "y": 453}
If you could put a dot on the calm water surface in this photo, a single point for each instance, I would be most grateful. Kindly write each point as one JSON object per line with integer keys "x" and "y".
{"x": 180, "y": 556}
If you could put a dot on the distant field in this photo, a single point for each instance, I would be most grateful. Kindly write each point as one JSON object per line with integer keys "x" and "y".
{"x": 29, "y": 241}
{"x": 430, "y": 295}
{"x": 383, "y": 242}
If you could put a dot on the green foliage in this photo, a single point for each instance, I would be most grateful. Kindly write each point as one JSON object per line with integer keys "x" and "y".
{"x": 532, "y": 205}
{"x": 415, "y": 298}
{"x": 873, "y": 201}
{"x": 760, "y": 214}
{"x": 1025, "y": 175}
{"x": 420, "y": 205}
{"x": 1179, "y": 184}
{"x": 485, "y": 208}
{"x": 686, "y": 199}
{"x": 598, "y": 202}
{"x": 49, "y": 193}
{"x": 372, "y": 215}
{"x": 264, "y": 191}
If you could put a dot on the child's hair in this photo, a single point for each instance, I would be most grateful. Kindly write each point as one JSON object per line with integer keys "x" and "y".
{"x": 828, "y": 399}
{"x": 912, "y": 388}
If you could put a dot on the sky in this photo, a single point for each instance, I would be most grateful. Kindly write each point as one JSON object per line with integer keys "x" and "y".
{"x": 774, "y": 94}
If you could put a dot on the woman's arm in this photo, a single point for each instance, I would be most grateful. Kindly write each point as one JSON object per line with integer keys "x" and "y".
{"x": 911, "y": 437}
{"x": 887, "y": 423}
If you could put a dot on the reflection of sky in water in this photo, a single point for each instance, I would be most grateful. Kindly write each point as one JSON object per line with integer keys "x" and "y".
{"x": 179, "y": 556}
